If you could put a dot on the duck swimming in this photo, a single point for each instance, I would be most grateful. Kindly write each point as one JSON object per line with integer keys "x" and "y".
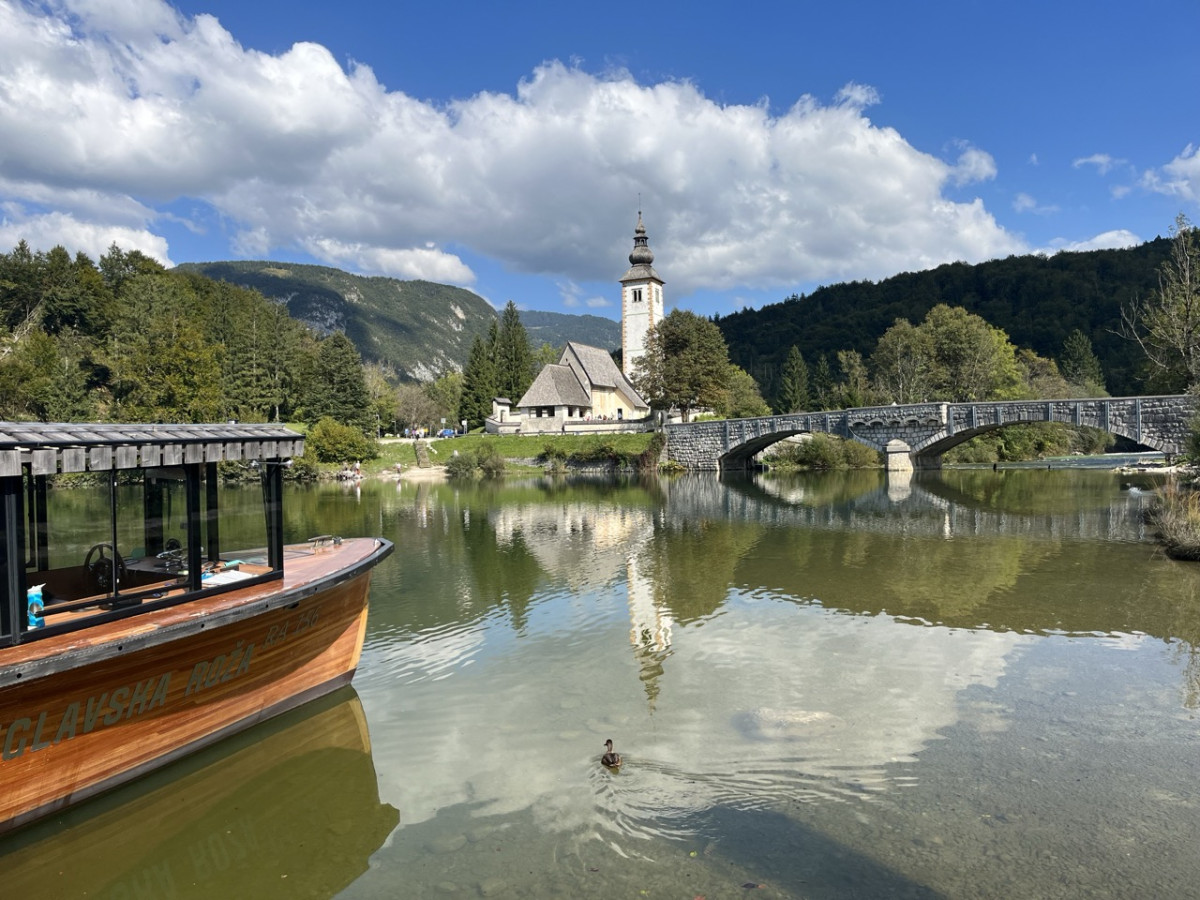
{"x": 611, "y": 757}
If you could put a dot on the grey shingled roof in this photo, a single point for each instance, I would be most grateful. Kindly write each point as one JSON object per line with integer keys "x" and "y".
{"x": 35, "y": 435}
{"x": 77, "y": 447}
{"x": 600, "y": 370}
{"x": 556, "y": 385}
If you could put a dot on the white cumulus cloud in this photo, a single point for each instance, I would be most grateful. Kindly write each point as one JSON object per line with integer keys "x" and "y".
{"x": 112, "y": 110}
{"x": 974, "y": 165}
{"x": 1117, "y": 239}
{"x": 44, "y": 231}
{"x": 1178, "y": 178}
{"x": 1102, "y": 161}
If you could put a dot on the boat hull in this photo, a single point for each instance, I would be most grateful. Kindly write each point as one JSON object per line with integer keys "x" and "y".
{"x": 81, "y": 719}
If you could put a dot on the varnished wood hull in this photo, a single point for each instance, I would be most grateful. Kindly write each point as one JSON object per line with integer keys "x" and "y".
{"x": 84, "y": 712}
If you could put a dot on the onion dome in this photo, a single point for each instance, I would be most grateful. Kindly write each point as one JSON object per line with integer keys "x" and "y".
{"x": 642, "y": 258}
{"x": 642, "y": 255}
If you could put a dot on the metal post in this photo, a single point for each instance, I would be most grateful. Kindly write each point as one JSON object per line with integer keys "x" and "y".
{"x": 12, "y": 572}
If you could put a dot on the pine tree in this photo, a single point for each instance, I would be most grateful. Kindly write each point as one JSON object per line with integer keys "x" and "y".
{"x": 514, "y": 361}
{"x": 340, "y": 388}
{"x": 479, "y": 384}
{"x": 1079, "y": 364}
{"x": 793, "y": 395}
{"x": 822, "y": 382}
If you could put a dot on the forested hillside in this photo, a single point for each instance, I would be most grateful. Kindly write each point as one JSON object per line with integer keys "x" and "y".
{"x": 1037, "y": 300}
{"x": 556, "y": 329}
{"x": 126, "y": 340}
{"x": 416, "y": 329}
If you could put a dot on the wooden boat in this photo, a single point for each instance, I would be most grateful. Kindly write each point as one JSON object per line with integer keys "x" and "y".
{"x": 160, "y": 614}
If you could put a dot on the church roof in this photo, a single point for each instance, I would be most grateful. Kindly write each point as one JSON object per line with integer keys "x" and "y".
{"x": 570, "y": 381}
{"x": 599, "y": 370}
{"x": 556, "y": 385}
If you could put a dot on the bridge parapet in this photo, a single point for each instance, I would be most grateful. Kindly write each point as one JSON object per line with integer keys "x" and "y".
{"x": 917, "y": 434}
{"x": 911, "y": 414}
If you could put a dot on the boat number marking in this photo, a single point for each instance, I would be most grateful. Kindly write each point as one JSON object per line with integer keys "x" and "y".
{"x": 290, "y": 628}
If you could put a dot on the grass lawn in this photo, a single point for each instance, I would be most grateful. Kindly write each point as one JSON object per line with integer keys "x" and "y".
{"x": 515, "y": 447}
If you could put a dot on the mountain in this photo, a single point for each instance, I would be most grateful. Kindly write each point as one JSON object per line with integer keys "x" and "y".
{"x": 556, "y": 329}
{"x": 419, "y": 328}
{"x": 1037, "y": 300}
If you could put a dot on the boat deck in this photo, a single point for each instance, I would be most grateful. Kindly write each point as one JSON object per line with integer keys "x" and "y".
{"x": 305, "y": 565}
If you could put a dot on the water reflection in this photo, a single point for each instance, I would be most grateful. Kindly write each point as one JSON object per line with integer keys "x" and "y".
{"x": 968, "y": 684}
{"x": 756, "y": 687}
{"x": 291, "y": 805}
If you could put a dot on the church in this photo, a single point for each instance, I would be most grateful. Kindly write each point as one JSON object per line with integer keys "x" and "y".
{"x": 585, "y": 391}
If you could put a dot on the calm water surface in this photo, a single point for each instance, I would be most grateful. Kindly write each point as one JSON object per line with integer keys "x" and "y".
{"x": 969, "y": 684}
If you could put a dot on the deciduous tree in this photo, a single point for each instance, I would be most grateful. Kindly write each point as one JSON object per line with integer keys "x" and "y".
{"x": 903, "y": 364}
{"x": 1167, "y": 323}
{"x": 742, "y": 397}
{"x": 685, "y": 365}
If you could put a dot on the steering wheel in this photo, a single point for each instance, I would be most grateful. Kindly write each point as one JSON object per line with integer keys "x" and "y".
{"x": 103, "y": 570}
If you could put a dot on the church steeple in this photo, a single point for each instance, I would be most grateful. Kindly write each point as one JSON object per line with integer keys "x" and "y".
{"x": 641, "y": 299}
{"x": 642, "y": 255}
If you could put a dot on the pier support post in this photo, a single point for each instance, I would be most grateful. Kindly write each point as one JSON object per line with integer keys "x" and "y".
{"x": 899, "y": 456}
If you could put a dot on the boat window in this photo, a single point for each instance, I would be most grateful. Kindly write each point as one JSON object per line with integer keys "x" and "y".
{"x": 143, "y": 538}
{"x": 241, "y": 525}
{"x": 75, "y": 550}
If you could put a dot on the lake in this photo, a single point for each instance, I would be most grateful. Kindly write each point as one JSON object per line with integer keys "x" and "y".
{"x": 962, "y": 684}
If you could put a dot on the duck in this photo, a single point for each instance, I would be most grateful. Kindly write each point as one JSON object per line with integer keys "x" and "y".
{"x": 611, "y": 758}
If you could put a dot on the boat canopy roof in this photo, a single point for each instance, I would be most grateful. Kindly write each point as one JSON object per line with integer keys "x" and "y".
{"x": 52, "y": 447}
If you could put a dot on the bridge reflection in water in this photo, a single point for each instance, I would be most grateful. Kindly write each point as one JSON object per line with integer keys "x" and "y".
{"x": 969, "y": 549}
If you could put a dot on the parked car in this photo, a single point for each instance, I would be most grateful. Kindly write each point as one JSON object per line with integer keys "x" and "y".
{"x": 446, "y": 432}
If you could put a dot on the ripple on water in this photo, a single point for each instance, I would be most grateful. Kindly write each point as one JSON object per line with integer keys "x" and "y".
{"x": 430, "y": 654}
{"x": 649, "y": 798}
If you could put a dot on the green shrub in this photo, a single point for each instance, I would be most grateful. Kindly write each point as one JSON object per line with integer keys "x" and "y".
{"x": 303, "y": 469}
{"x": 462, "y": 466}
{"x": 489, "y": 460}
{"x": 823, "y": 451}
{"x": 331, "y": 442}
{"x": 1175, "y": 516}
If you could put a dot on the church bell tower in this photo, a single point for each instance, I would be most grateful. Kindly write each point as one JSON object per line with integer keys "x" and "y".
{"x": 641, "y": 300}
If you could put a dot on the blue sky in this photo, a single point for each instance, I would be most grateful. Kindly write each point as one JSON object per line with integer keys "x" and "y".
{"x": 773, "y": 147}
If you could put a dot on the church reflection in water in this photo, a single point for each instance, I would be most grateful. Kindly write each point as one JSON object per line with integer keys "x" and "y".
{"x": 590, "y": 547}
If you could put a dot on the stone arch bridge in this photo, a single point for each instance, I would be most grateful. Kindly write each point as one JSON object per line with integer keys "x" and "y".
{"x": 915, "y": 435}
